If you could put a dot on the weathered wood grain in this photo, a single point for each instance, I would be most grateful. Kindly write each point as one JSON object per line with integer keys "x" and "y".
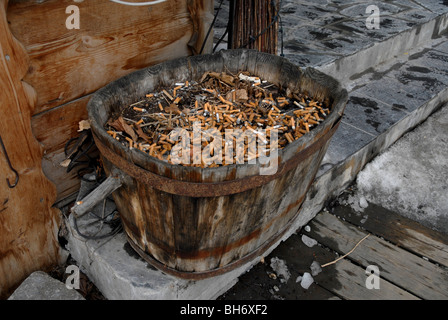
{"x": 402, "y": 268}
{"x": 193, "y": 222}
{"x": 55, "y": 127}
{"x": 399, "y": 230}
{"x": 28, "y": 223}
{"x": 66, "y": 66}
{"x": 113, "y": 40}
{"x": 343, "y": 279}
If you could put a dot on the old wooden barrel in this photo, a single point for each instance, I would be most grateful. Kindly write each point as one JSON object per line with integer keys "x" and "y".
{"x": 200, "y": 222}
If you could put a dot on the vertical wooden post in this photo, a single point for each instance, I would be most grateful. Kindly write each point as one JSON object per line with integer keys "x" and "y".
{"x": 254, "y": 24}
{"x": 28, "y": 223}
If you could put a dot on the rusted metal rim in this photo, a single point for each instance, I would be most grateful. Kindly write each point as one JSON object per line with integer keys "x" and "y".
{"x": 190, "y": 275}
{"x": 207, "y": 189}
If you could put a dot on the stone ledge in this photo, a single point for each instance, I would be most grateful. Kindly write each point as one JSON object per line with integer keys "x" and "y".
{"x": 40, "y": 286}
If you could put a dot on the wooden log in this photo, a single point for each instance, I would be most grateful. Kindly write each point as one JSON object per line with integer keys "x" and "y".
{"x": 85, "y": 205}
{"x": 28, "y": 223}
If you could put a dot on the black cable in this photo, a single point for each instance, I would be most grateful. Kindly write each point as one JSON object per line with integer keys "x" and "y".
{"x": 211, "y": 26}
{"x": 281, "y": 30}
{"x": 113, "y": 232}
{"x": 110, "y": 234}
{"x": 220, "y": 39}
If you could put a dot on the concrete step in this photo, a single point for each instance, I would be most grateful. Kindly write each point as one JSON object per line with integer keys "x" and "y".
{"x": 396, "y": 76}
{"x": 41, "y": 286}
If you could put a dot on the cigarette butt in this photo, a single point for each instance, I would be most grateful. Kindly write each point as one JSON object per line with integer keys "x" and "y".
{"x": 293, "y": 124}
{"x": 229, "y": 118}
{"x": 224, "y": 100}
{"x": 149, "y": 95}
{"x": 175, "y": 90}
{"x": 177, "y": 100}
{"x": 139, "y": 109}
{"x": 167, "y": 94}
{"x": 129, "y": 140}
{"x": 289, "y": 137}
{"x": 139, "y": 122}
{"x": 160, "y": 107}
{"x": 251, "y": 117}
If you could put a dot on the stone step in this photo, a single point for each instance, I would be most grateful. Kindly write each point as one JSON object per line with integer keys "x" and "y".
{"x": 41, "y": 286}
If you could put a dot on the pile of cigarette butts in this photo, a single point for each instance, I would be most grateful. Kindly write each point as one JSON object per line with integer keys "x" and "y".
{"x": 218, "y": 103}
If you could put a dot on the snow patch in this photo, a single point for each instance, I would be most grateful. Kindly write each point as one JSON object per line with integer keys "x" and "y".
{"x": 309, "y": 242}
{"x": 280, "y": 268}
{"x": 306, "y": 281}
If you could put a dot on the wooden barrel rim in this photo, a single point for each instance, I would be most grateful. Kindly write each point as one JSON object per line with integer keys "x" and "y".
{"x": 209, "y": 189}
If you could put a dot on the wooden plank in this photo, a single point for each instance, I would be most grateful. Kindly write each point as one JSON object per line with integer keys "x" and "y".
{"x": 55, "y": 127}
{"x": 28, "y": 223}
{"x": 343, "y": 279}
{"x": 399, "y": 230}
{"x": 412, "y": 273}
{"x": 349, "y": 282}
{"x": 259, "y": 282}
{"x": 113, "y": 40}
{"x": 67, "y": 183}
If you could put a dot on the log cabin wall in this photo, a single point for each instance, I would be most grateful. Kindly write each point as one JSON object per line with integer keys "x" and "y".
{"x": 67, "y": 66}
{"x": 45, "y": 88}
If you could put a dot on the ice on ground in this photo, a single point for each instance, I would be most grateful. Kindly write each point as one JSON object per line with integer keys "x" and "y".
{"x": 280, "y": 268}
{"x": 315, "y": 268}
{"x": 307, "y": 280}
{"x": 364, "y": 219}
{"x": 357, "y": 202}
{"x": 363, "y": 202}
{"x": 411, "y": 176}
{"x": 309, "y": 242}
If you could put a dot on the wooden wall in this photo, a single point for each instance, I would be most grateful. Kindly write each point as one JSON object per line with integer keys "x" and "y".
{"x": 67, "y": 66}
{"x": 28, "y": 223}
{"x": 47, "y": 75}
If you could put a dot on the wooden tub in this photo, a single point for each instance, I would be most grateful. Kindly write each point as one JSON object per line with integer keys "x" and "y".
{"x": 199, "y": 222}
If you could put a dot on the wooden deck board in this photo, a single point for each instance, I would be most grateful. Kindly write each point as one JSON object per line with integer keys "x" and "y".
{"x": 401, "y": 231}
{"x": 396, "y": 245}
{"x": 404, "y": 269}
